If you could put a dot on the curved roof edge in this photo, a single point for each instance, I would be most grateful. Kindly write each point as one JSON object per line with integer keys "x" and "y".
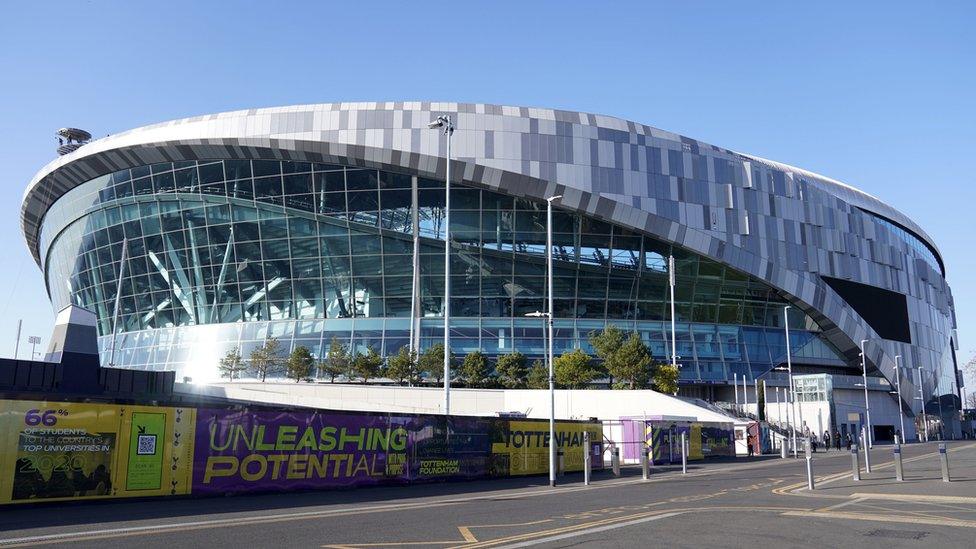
{"x": 146, "y": 136}
{"x": 855, "y": 197}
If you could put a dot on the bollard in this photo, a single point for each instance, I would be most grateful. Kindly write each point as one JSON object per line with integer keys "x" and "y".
{"x": 684, "y": 453}
{"x": 855, "y": 462}
{"x": 587, "y": 458}
{"x": 782, "y": 447}
{"x": 645, "y": 463}
{"x": 944, "y": 458}
{"x": 560, "y": 462}
{"x": 809, "y": 452}
{"x": 899, "y": 472}
{"x": 615, "y": 460}
{"x": 867, "y": 451}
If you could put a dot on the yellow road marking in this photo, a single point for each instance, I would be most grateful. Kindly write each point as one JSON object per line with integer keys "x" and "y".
{"x": 917, "y": 497}
{"x": 839, "y": 505}
{"x": 615, "y": 520}
{"x": 883, "y": 518}
{"x": 562, "y": 529}
{"x": 466, "y": 534}
{"x": 896, "y": 511}
{"x": 390, "y": 544}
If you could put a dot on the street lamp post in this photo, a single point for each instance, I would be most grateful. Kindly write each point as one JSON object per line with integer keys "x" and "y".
{"x": 735, "y": 387}
{"x": 552, "y": 380}
{"x": 867, "y": 404}
{"x": 921, "y": 399}
{"x": 444, "y": 121}
{"x": 552, "y": 396}
{"x": 674, "y": 340}
{"x": 901, "y": 414}
{"x": 789, "y": 369}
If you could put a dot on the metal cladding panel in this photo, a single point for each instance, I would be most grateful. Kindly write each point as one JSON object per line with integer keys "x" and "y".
{"x": 800, "y": 225}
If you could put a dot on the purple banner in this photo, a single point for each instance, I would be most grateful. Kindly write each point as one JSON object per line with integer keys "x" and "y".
{"x": 244, "y": 451}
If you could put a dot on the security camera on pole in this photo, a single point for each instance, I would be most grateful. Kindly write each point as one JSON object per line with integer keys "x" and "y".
{"x": 444, "y": 121}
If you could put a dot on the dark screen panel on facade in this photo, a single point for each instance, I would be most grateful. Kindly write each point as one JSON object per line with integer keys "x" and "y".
{"x": 884, "y": 310}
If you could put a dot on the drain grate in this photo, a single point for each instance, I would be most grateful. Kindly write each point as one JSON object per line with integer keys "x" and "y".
{"x": 897, "y": 534}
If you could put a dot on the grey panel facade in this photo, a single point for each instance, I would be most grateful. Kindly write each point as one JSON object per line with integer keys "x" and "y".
{"x": 783, "y": 225}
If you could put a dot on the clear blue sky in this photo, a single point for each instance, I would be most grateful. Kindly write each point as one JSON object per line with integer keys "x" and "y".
{"x": 877, "y": 94}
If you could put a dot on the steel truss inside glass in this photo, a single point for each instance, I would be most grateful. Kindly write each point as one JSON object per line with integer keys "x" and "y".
{"x": 225, "y": 253}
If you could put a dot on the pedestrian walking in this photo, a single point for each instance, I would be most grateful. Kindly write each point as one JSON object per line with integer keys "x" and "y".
{"x": 849, "y": 441}
{"x": 837, "y": 439}
{"x": 826, "y": 441}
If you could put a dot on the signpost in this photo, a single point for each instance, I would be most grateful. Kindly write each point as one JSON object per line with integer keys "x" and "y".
{"x": 587, "y": 458}
{"x": 899, "y": 472}
{"x": 809, "y": 452}
{"x": 944, "y": 458}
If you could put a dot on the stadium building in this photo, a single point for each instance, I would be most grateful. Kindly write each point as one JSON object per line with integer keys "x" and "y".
{"x": 304, "y": 223}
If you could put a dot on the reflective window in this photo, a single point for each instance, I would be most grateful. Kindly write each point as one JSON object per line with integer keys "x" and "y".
{"x": 239, "y": 250}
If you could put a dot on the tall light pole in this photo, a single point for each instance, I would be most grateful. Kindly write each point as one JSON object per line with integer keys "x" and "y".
{"x": 921, "y": 398}
{"x": 735, "y": 387}
{"x": 789, "y": 369}
{"x": 901, "y": 415}
{"x": 674, "y": 348}
{"x": 552, "y": 397}
{"x": 552, "y": 380}
{"x": 33, "y": 340}
{"x": 444, "y": 121}
{"x": 20, "y": 324}
{"x": 867, "y": 404}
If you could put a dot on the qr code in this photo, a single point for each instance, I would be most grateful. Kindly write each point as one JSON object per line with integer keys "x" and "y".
{"x": 147, "y": 445}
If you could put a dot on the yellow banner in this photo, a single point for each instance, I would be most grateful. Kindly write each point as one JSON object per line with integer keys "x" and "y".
{"x": 526, "y": 444}
{"x": 695, "y": 442}
{"x": 67, "y": 450}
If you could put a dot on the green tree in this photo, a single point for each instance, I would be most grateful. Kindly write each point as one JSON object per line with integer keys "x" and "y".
{"x": 300, "y": 364}
{"x": 512, "y": 371}
{"x": 266, "y": 360}
{"x": 539, "y": 375}
{"x": 665, "y": 378}
{"x": 574, "y": 370}
{"x": 368, "y": 365}
{"x": 475, "y": 369}
{"x": 336, "y": 360}
{"x": 633, "y": 363}
{"x": 431, "y": 362}
{"x": 403, "y": 366}
{"x": 232, "y": 364}
{"x": 607, "y": 345}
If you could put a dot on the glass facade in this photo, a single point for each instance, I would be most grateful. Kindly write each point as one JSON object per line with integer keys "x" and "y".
{"x": 225, "y": 253}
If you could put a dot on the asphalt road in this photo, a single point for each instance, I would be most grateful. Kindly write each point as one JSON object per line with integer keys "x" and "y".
{"x": 741, "y": 503}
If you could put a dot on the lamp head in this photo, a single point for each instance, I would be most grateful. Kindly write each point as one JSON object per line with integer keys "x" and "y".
{"x": 437, "y": 123}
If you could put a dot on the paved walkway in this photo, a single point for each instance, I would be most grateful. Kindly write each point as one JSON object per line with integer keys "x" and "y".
{"x": 744, "y": 503}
